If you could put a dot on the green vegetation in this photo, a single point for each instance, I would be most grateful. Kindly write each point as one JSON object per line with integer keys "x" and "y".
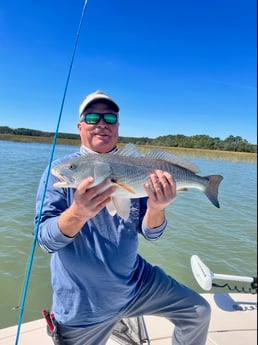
{"x": 231, "y": 143}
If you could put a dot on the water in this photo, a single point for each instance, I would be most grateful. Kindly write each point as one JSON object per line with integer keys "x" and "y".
{"x": 225, "y": 238}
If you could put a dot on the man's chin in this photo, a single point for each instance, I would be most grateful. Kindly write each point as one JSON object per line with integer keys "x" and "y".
{"x": 102, "y": 144}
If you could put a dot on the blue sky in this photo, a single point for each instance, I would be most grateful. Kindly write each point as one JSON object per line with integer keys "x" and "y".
{"x": 175, "y": 67}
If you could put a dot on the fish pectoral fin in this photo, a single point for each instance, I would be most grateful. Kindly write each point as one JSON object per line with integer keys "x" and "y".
{"x": 122, "y": 206}
{"x": 125, "y": 187}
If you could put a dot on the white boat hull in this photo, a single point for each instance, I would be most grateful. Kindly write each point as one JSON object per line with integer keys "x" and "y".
{"x": 233, "y": 321}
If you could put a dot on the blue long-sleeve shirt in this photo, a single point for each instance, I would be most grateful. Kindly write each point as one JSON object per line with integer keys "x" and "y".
{"x": 99, "y": 271}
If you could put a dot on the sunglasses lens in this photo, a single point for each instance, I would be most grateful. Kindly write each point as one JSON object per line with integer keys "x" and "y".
{"x": 92, "y": 119}
{"x": 110, "y": 118}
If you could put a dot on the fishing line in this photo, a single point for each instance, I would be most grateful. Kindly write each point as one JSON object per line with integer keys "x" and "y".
{"x": 33, "y": 247}
{"x": 17, "y": 306}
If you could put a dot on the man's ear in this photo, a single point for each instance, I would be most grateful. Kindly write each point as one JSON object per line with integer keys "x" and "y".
{"x": 79, "y": 126}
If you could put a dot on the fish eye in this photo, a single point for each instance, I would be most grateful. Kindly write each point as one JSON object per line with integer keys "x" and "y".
{"x": 72, "y": 166}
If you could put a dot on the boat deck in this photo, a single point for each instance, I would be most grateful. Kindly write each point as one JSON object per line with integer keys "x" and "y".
{"x": 233, "y": 321}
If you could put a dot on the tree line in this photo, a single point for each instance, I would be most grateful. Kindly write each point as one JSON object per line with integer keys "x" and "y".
{"x": 201, "y": 141}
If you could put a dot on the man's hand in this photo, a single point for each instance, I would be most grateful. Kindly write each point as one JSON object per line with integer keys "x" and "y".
{"x": 161, "y": 190}
{"x": 88, "y": 201}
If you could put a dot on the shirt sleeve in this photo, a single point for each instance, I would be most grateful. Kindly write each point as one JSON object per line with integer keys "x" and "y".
{"x": 153, "y": 234}
{"x": 49, "y": 236}
{"x": 150, "y": 234}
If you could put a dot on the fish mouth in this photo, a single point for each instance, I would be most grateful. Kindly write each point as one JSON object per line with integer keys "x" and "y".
{"x": 60, "y": 184}
{"x": 63, "y": 181}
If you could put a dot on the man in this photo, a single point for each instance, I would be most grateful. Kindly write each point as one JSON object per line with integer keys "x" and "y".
{"x": 98, "y": 277}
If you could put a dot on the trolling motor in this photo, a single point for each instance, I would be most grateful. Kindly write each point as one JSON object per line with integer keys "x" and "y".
{"x": 204, "y": 277}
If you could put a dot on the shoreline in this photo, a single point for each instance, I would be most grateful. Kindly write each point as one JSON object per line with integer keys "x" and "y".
{"x": 247, "y": 157}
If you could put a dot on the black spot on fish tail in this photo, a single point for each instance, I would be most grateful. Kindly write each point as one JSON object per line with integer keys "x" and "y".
{"x": 212, "y": 188}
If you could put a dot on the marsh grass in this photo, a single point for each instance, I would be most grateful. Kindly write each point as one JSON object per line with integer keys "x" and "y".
{"x": 208, "y": 154}
{"x": 189, "y": 152}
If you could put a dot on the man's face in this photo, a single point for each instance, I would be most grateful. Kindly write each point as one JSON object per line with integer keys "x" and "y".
{"x": 100, "y": 137}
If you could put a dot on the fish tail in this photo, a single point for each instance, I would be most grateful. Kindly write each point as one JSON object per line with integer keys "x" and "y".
{"x": 212, "y": 188}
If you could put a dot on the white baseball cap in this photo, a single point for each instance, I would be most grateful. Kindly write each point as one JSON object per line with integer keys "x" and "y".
{"x": 96, "y": 96}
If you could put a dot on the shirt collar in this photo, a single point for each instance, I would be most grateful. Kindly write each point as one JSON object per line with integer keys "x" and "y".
{"x": 85, "y": 150}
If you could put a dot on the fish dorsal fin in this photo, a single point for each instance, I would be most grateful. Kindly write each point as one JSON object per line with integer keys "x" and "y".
{"x": 129, "y": 150}
{"x": 172, "y": 158}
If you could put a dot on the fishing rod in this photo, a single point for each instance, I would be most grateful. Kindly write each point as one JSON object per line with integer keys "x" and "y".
{"x": 33, "y": 247}
{"x": 204, "y": 276}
